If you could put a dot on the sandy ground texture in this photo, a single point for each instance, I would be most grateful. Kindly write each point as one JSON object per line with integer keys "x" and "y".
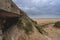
{"x": 53, "y": 33}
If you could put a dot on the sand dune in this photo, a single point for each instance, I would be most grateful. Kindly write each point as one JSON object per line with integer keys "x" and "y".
{"x": 53, "y": 33}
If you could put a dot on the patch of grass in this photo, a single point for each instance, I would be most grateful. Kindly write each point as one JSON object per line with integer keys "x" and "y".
{"x": 28, "y": 25}
{"x": 25, "y": 24}
{"x": 41, "y": 30}
{"x": 57, "y": 24}
{"x": 20, "y": 25}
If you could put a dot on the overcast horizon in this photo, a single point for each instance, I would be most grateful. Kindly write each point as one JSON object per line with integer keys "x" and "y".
{"x": 40, "y": 8}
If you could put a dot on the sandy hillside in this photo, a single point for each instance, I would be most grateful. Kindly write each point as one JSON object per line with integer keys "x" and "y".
{"x": 53, "y": 33}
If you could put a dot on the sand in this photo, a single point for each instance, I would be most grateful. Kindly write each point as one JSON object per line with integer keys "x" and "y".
{"x": 53, "y": 33}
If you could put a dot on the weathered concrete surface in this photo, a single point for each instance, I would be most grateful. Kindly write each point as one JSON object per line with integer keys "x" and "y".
{"x": 4, "y": 14}
{"x": 0, "y": 34}
{"x": 9, "y": 6}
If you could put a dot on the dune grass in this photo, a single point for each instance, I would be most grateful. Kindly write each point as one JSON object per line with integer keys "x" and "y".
{"x": 57, "y": 24}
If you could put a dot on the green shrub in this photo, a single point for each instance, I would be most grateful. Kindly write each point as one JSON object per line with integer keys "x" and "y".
{"x": 57, "y": 24}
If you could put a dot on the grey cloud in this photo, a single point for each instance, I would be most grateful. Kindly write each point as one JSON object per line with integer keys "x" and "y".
{"x": 40, "y": 7}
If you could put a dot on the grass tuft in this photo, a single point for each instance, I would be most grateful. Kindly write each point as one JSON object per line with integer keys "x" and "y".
{"x": 57, "y": 24}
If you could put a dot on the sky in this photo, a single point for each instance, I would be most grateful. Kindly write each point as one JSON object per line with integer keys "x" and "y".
{"x": 40, "y": 8}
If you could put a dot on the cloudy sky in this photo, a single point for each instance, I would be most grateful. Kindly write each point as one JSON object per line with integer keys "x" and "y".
{"x": 40, "y": 8}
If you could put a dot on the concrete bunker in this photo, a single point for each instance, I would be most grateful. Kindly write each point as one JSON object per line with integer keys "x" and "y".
{"x": 7, "y": 19}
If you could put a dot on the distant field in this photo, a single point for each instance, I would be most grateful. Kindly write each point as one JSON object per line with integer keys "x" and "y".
{"x": 46, "y": 20}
